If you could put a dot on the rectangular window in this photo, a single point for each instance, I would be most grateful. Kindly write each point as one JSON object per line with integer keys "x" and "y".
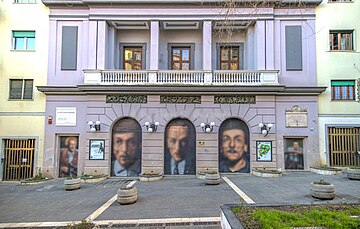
{"x": 180, "y": 58}
{"x": 341, "y": 40}
{"x": 293, "y": 46}
{"x": 69, "y": 45}
{"x": 23, "y": 40}
{"x": 229, "y": 58}
{"x": 132, "y": 58}
{"x": 21, "y": 89}
{"x": 343, "y": 90}
{"x": 24, "y": 1}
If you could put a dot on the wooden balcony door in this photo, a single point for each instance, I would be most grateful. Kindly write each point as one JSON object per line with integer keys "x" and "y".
{"x": 344, "y": 145}
{"x": 18, "y": 159}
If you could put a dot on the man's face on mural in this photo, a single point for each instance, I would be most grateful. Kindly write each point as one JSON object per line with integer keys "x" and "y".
{"x": 178, "y": 142}
{"x": 72, "y": 145}
{"x": 233, "y": 144}
{"x": 125, "y": 148}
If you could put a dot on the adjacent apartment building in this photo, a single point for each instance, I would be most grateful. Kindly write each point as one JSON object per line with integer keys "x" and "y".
{"x": 180, "y": 87}
{"x": 338, "y": 69}
{"x": 23, "y": 66}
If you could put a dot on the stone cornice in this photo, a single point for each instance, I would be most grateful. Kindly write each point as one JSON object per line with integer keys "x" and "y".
{"x": 193, "y": 90}
{"x": 280, "y": 3}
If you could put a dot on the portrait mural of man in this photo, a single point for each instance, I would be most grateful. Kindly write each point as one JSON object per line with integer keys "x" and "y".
{"x": 126, "y": 148}
{"x": 180, "y": 151}
{"x": 69, "y": 154}
{"x": 294, "y": 154}
{"x": 234, "y": 147}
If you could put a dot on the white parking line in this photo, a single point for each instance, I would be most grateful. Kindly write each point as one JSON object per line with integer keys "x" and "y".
{"x": 113, "y": 222}
{"x": 238, "y": 191}
{"x": 101, "y": 209}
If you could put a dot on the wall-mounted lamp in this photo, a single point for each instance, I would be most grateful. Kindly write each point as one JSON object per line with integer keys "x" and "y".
{"x": 207, "y": 127}
{"x": 265, "y": 128}
{"x": 94, "y": 126}
{"x": 151, "y": 126}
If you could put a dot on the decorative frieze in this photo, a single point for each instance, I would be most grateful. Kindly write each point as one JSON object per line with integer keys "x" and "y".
{"x": 126, "y": 99}
{"x": 296, "y": 117}
{"x": 191, "y": 99}
{"x": 234, "y": 99}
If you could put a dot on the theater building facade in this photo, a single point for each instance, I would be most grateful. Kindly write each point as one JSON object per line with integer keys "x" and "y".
{"x": 180, "y": 88}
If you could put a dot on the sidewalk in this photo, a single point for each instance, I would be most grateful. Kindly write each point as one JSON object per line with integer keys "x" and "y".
{"x": 174, "y": 202}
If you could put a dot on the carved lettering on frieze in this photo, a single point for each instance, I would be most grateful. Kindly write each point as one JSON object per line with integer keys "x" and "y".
{"x": 126, "y": 99}
{"x": 235, "y": 99}
{"x": 180, "y": 99}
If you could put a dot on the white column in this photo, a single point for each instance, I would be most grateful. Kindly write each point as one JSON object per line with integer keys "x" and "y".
{"x": 154, "y": 49}
{"x": 270, "y": 45}
{"x": 92, "y": 45}
{"x": 260, "y": 45}
{"x": 207, "y": 48}
{"x": 101, "y": 45}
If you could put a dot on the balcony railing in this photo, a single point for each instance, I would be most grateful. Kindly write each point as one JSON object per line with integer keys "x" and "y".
{"x": 171, "y": 77}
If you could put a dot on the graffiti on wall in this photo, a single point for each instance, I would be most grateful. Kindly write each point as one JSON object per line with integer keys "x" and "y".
{"x": 180, "y": 154}
{"x": 69, "y": 155}
{"x": 234, "y": 147}
{"x": 126, "y": 148}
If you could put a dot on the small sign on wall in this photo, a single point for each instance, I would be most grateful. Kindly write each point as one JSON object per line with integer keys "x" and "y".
{"x": 65, "y": 116}
{"x": 263, "y": 151}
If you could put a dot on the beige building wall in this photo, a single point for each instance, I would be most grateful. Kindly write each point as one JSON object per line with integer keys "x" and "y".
{"x": 22, "y": 119}
{"x": 337, "y": 65}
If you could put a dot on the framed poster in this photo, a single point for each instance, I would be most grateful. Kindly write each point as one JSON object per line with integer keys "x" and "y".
{"x": 97, "y": 149}
{"x": 263, "y": 151}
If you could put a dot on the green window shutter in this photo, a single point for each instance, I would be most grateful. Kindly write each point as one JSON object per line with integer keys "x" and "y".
{"x": 23, "y": 33}
{"x": 343, "y": 83}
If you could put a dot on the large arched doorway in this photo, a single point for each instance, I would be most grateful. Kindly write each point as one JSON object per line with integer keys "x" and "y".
{"x": 126, "y": 148}
{"x": 234, "y": 139}
{"x": 180, "y": 150}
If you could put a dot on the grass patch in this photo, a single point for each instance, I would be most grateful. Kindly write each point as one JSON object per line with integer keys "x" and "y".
{"x": 287, "y": 217}
{"x": 82, "y": 225}
{"x": 86, "y": 176}
{"x": 354, "y": 167}
{"x": 327, "y": 168}
{"x": 271, "y": 171}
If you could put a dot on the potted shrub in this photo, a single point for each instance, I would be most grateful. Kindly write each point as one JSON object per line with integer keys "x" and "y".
{"x": 72, "y": 183}
{"x": 266, "y": 172}
{"x": 321, "y": 189}
{"x": 325, "y": 170}
{"x": 212, "y": 178}
{"x": 93, "y": 178}
{"x": 38, "y": 179}
{"x": 353, "y": 173}
{"x": 150, "y": 176}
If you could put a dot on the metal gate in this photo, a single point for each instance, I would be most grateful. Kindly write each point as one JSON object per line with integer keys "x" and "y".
{"x": 344, "y": 146}
{"x": 18, "y": 159}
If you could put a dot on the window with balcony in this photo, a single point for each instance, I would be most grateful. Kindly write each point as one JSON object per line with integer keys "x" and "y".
{"x": 180, "y": 58}
{"x": 341, "y": 40}
{"x": 21, "y": 89}
{"x": 132, "y": 58}
{"x": 23, "y": 40}
{"x": 343, "y": 90}
{"x": 229, "y": 58}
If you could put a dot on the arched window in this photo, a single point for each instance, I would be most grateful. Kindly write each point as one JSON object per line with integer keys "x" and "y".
{"x": 234, "y": 138}
{"x": 180, "y": 147}
{"x": 126, "y": 148}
